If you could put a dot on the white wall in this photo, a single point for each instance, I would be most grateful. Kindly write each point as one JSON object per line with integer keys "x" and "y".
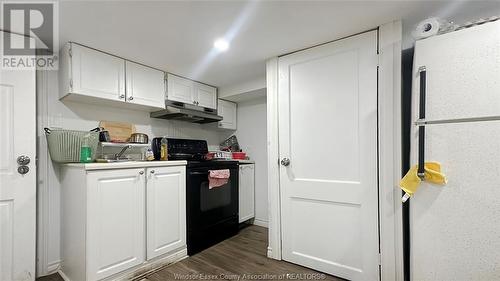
{"x": 252, "y": 137}
{"x": 78, "y": 116}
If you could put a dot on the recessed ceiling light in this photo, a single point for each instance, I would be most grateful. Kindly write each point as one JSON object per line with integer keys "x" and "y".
{"x": 221, "y": 44}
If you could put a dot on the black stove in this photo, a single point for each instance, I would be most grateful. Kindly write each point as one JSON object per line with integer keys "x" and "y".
{"x": 211, "y": 213}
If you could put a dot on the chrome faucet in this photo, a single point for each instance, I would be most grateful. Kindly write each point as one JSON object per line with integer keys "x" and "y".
{"x": 119, "y": 154}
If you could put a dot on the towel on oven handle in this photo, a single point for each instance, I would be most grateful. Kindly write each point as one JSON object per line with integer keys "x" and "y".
{"x": 217, "y": 178}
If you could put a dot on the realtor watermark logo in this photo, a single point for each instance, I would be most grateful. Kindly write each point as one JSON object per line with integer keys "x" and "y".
{"x": 38, "y": 22}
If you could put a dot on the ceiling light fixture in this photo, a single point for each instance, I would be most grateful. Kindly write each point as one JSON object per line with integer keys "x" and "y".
{"x": 221, "y": 44}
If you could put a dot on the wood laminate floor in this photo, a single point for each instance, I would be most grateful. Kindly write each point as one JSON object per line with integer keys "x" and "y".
{"x": 242, "y": 256}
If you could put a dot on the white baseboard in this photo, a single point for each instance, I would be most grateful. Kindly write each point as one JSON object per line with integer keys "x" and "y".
{"x": 63, "y": 276}
{"x": 53, "y": 267}
{"x": 262, "y": 223}
{"x": 141, "y": 271}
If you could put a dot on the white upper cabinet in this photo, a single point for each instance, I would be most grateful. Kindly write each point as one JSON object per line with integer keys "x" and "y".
{"x": 180, "y": 89}
{"x": 205, "y": 96}
{"x": 227, "y": 110}
{"x": 191, "y": 92}
{"x": 145, "y": 85}
{"x": 92, "y": 73}
{"x": 115, "y": 227}
{"x": 91, "y": 76}
{"x": 166, "y": 210}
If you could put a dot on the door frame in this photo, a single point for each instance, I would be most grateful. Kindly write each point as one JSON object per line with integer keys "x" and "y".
{"x": 389, "y": 151}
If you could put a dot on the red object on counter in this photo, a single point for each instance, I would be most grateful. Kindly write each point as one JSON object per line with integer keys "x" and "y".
{"x": 209, "y": 156}
{"x": 239, "y": 155}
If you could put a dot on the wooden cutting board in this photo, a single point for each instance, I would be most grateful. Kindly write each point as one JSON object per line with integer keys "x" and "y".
{"x": 118, "y": 131}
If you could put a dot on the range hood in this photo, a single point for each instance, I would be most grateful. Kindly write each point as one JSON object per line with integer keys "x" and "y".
{"x": 186, "y": 112}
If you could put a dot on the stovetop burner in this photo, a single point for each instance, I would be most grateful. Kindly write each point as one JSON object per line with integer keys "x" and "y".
{"x": 193, "y": 151}
{"x": 186, "y": 149}
{"x": 187, "y": 156}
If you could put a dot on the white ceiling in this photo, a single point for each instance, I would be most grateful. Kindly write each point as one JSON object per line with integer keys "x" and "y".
{"x": 178, "y": 36}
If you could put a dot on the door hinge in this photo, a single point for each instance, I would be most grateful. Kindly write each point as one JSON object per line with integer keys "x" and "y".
{"x": 70, "y": 52}
{"x": 379, "y": 259}
{"x": 71, "y": 84}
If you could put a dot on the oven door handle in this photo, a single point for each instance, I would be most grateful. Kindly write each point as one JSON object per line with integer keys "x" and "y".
{"x": 198, "y": 173}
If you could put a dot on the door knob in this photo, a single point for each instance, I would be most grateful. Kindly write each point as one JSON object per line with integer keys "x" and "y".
{"x": 23, "y": 160}
{"x": 285, "y": 161}
{"x": 23, "y": 170}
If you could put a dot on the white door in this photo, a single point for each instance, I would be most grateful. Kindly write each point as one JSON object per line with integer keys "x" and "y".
{"x": 180, "y": 89}
{"x": 227, "y": 110}
{"x": 145, "y": 85}
{"x": 166, "y": 210}
{"x": 205, "y": 96}
{"x": 328, "y": 132}
{"x": 116, "y": 224}
{"x": 97, "y": 74}
{"x": 246, "y": 192}
{"x": 17, "y": 191}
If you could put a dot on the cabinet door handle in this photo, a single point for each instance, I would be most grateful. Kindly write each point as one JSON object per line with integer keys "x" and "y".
{"x": 130, "y": 98}
{"x": 141, "y": 173}
{"x": 121, "y": 96}
{"x": 152, "y": 171}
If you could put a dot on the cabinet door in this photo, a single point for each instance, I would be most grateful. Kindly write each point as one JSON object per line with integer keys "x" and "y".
{"x": 246, "y": 192}
{"x": 97, "y": 74}
{"x": 180, "y": 89}
{"x": 115, "y": 226}
{"x": 145, "y": 85}
{"x": 227, "y": 110}
{"x": 205, "y": 96}
{"x": 166, "y": 210}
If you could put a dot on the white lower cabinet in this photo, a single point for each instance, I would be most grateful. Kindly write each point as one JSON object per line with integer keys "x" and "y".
{"x": 117, "y": 221}
{"x": 166, "y": 210}
{"x": 246, "y": 192}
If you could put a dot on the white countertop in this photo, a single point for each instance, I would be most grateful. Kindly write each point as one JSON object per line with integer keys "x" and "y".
{"x": 125, "y": 165}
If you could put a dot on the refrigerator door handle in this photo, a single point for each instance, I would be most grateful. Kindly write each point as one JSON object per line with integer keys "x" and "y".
{"x": 423, "y": 122}
{"x": 421, "y": 129}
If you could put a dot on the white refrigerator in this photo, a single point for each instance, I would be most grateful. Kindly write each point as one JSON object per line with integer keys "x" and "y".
{"x": 455, "y": 229}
